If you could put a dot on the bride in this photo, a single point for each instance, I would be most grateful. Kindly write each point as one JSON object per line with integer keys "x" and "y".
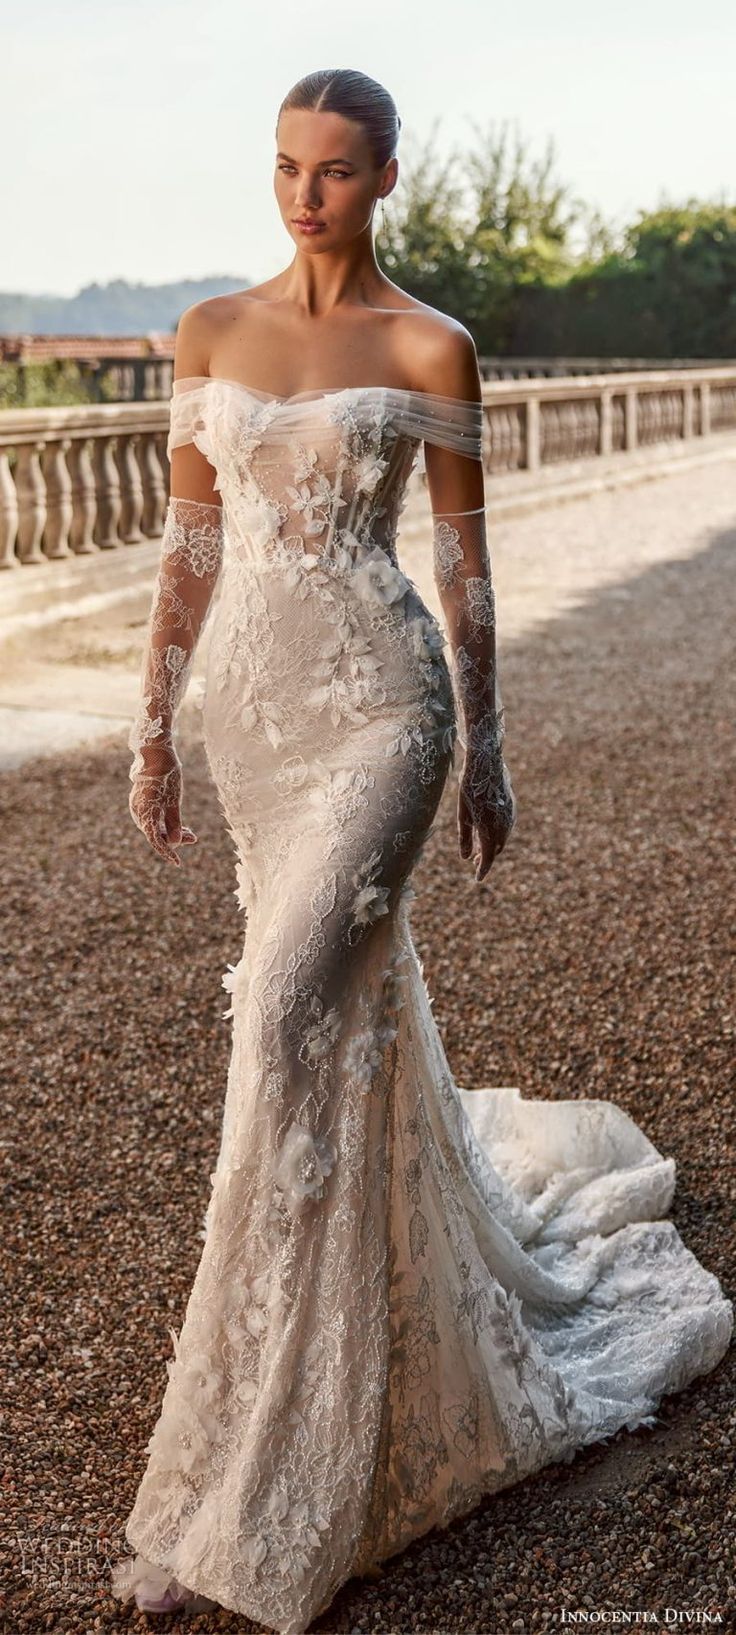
{"x": 410, "y": 1295}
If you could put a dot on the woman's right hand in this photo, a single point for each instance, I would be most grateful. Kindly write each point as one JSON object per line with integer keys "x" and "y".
{"x": 155, "y": 807}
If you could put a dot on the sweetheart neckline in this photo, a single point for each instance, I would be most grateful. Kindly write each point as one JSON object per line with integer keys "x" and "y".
{"x": 318, "y": 392}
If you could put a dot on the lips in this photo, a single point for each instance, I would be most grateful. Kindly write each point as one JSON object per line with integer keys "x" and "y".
{"x": 306, "y": 222}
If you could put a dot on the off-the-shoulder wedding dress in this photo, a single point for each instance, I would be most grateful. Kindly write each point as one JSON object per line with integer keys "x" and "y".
{"x": 409, "y": 1294}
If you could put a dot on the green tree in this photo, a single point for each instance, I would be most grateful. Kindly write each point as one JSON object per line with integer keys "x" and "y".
{"x": 667, "y": 291}
{"x": 467, "y": 233}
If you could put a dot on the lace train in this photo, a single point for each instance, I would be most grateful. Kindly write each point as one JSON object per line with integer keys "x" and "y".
{"x": 535, "y": 1301}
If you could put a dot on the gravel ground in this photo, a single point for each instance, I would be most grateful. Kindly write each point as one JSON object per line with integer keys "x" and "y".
{"x": 596, "y": 960}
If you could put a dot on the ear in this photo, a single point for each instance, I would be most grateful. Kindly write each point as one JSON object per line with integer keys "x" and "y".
{"x": 390, "y": 178}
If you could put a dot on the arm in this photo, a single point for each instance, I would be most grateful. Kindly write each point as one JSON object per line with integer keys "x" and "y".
{"x": 462, "y": 573}
{"x": 189, "y": 567}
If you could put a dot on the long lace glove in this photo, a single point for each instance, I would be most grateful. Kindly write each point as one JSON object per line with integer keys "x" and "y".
{"x": 191, "y": 558}
{"x": 462, "y": 574}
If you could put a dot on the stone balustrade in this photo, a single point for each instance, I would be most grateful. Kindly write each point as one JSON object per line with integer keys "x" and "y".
{"x": 535, "y": 423}
{"x": 90, "y": 478}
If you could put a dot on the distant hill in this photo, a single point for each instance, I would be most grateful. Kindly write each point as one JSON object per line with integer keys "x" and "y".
{"x": 117, "y": 308}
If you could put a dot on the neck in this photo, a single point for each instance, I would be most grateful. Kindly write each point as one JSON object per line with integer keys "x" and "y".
{"x": 350, "y": 276}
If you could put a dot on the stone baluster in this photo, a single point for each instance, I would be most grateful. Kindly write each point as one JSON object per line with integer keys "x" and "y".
{"x": 107, "y": 485}
{"x": 8, "y": 514}
{"x": 131, "y": 488}
{"x": 84, "y": 498}
{"x": 31, "y": 491}
{"x": 631, "y": 421}
{"x": 59, "y": 505}
{"x": 532, "y": 435}
{"x": 154, "y": 468}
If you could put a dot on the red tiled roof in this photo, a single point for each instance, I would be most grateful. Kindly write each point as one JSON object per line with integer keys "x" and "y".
{"x": 84, "y": 348}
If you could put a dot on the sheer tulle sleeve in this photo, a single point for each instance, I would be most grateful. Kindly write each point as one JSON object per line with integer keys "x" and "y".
{"x": 453, "y": 423}
{"x": 191, "y": 558}
{"x": 462, "y": 573}
{"x": 187, "y": 412}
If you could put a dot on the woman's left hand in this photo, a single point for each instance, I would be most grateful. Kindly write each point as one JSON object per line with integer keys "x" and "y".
{"x": 488, "y": 805}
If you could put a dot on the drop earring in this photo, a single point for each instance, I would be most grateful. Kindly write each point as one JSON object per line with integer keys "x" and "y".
{"x": 383, "y": 217}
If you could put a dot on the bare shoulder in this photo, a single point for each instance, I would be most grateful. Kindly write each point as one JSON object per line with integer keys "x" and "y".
{"x": 443, "y": 355}
{"x": 201, "y": 326}
{"x": 193, "y": 339}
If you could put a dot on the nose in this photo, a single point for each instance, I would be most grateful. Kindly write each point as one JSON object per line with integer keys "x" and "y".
{"x": 308, "y": 198}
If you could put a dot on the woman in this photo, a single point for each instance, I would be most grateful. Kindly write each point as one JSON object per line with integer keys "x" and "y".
{"x": 409, "y": 1295}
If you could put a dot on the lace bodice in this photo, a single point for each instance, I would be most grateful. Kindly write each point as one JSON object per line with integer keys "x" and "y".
{"x": 316, "y": 481}
{"x": 318, "y": 471}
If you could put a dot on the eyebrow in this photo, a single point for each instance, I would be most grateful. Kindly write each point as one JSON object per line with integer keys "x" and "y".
{"x": 291, "y": 161}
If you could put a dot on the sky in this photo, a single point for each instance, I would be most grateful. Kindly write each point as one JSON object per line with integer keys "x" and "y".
{"x": 138, "y": 137}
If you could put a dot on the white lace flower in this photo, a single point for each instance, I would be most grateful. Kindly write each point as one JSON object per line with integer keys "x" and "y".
{"x": 369, "y": 470}
{"x": 245, "y": 1393}
{"x": 377, "y": 580}
{"x": 259, "y": 519}
{"x": 305, "y": 1526}
{"x": 394, "y": 982}
{"x": 302, "y": 1164}
{"x": 205, "y": 1382}
{"x": 311, "y": 1373}
{"x": 349, "y": 549}
{"x": 362, "y": 1059}
{"x": 182, "y": 1438}
{"x": 277, "y": 1505}
{"x": 323, "y": 1031}
{"x": 257, "y": 1300}
{"x": 305, "y": 461}
{"x": 253, "y": 1549}
{"x": 297, "y": 565}
{"x": 369, "y": 904}
{"x": 264, "y": 713}
{"x": 370, "y": 901}
{"x": 291, "y": 773}
{"x": 244, "y": 891}
{"x": 426, "y": 636}
{"x": 401, "y": 744}
{"x": 230, "y": 981}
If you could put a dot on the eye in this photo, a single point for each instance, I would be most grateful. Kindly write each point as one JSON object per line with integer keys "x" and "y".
{"x": 344, "y": 174}
{"x": 286, "y": 167}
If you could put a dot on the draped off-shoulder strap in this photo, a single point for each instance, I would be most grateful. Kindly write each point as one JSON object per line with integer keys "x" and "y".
{"x": 425, "y": 417}
{"x": 186, "y": 410}
{"x": 453, "y": 423}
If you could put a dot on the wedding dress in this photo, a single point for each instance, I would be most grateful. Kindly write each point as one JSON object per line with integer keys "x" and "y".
{"x": 410, "y": 1294}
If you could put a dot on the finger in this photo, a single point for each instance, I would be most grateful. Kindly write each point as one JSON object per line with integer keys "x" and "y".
{"x": 157, "y": 839}
{"x": 172, "y": 825}
{"x": 488, "y": 850}
{"x": 464, "y": 827}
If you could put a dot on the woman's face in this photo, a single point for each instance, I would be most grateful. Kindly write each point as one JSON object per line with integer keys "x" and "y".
{"x": 325, "y": 175}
